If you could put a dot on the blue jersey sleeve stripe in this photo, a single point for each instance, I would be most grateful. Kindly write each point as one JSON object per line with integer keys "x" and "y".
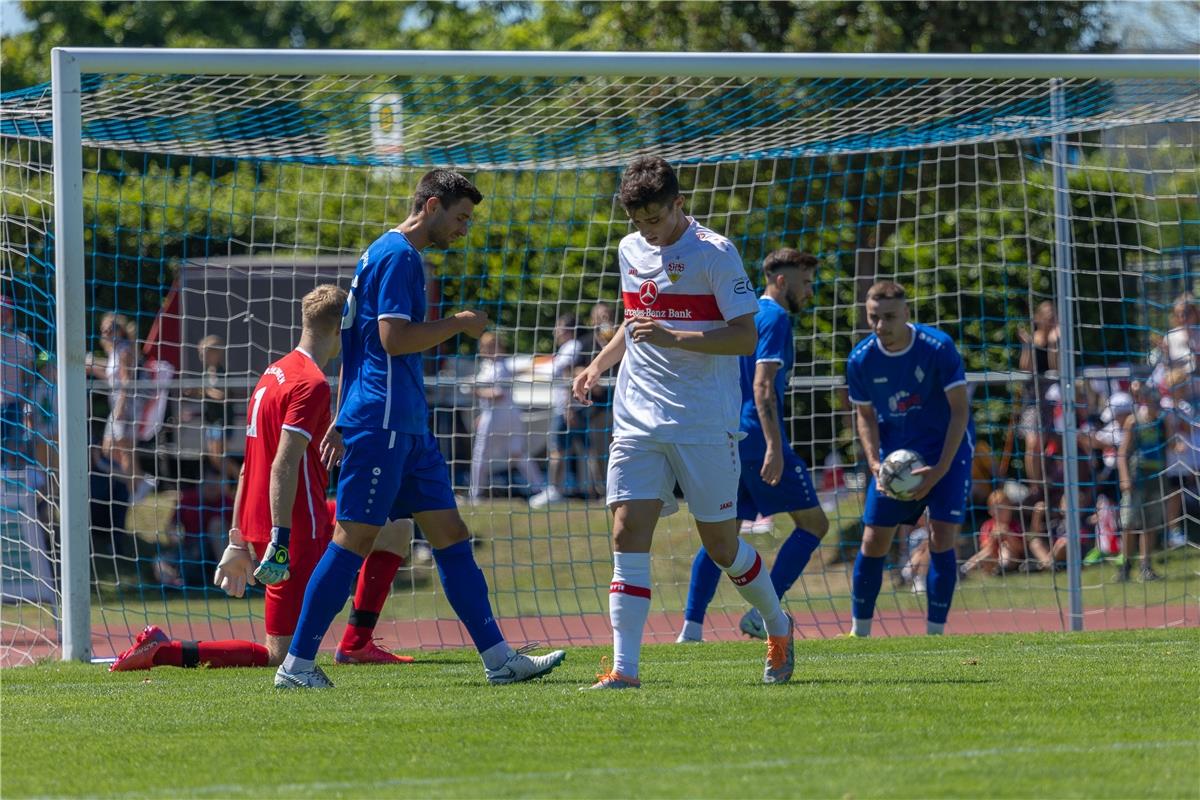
{"x": 860, "y": 402}
{"x": 950, "y": 386}
{"x": 769, "y": 361}
{"x": 395, "y": 316}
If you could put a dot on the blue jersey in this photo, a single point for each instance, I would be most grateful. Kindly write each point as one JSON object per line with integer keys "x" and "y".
{"x": 908, "y": 391}
{"x": 378, "y": 390}
{"x": 775, "y": 346}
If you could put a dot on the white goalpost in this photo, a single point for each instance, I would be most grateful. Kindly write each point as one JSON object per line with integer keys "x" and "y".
{"x": 987, "y": 184}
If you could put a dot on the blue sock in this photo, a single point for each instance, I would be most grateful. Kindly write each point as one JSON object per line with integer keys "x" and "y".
{"x": 327, "y": 590}
{"x": 868, "y": 578}
{"x": 467, "y": 591}
{"x": 943, "y": 575}
{"x": 705, "y": 577}
{"x": 791, "y": 560}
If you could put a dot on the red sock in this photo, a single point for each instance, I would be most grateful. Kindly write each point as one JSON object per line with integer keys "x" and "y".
{"x": 374, "y": 585}
{"x": 227, "y": 653}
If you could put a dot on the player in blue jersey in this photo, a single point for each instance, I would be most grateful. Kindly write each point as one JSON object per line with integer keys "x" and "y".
{"x": 391, "y": 465}
{"x": 774, "y": 479}
{"x": 909, "y": 390}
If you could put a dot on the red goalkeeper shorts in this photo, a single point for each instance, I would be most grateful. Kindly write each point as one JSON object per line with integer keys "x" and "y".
{"x": 284, "y": 600}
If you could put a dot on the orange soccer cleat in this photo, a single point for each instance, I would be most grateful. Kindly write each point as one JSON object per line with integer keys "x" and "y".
{"x": 781, "y": 656}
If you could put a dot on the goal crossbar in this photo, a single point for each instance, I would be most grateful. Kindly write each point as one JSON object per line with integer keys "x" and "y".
{"x": 545, "y": 63}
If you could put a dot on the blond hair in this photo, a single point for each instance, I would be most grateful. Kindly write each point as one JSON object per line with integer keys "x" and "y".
{"x": 122, "y": 326}
{"x": 1177, "y": 377}
{"x": 321, "y": 309}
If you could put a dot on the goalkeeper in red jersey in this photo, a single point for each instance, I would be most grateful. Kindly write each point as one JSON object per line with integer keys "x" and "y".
{"x": 283, "y": 521}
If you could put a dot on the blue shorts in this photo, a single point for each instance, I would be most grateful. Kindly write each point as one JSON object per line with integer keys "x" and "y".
{"x": 388, "y": 475}
{"x": 562, "y": 437}
{"x": 794, "y": 492}
{"x": 946, "y": 503}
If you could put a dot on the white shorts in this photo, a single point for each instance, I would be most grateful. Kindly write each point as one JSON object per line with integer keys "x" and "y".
{"x": 643, "y": 469}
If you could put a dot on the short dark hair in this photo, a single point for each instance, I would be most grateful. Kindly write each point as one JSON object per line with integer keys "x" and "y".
{"x": 787, "y": 258}
{"x": 649, "y": 180}
{"x": 886, "y": 290}
{"x": 447, "y": 186}
{"x": 569, "y": 321}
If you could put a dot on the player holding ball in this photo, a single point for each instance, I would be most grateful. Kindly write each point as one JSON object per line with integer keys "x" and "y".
{"x": 910, "y": 393}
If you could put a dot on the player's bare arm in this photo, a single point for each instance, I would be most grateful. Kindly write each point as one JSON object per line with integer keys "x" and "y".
{"x": 236, "y": 569}
{"x": 1123, "y": 450}
{"x": 960, "y": 410}
{"x": 739, "y": 337}
{"x": 768, "y": 416}
{"x": 402, "y": 337}
{"x": 606, "y": 359}
{"x": 867, "y": 425}
{"x": 285, "y": 476}
{"x": 332, "y": 446}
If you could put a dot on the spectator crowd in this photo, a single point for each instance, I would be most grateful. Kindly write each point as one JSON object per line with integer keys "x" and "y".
{"x": 1138, "y": 445}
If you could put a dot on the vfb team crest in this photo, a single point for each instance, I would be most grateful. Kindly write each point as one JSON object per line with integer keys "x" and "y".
{"x": 675, "y": 270}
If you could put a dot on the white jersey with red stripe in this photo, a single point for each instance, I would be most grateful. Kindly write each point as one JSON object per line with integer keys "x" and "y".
{"x": 696, "y": 284}
{"x": 294, "y": 395}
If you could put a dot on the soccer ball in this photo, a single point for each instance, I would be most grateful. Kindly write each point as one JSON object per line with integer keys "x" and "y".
{"x": 896, "y": 476}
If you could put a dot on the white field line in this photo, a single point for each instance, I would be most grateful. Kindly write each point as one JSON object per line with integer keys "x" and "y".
{"x": 322, "y": 787}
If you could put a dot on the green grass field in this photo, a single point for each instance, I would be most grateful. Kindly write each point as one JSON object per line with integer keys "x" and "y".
{"x": 1047, "y": 715}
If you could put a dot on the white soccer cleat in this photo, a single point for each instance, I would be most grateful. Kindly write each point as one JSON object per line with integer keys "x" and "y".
{"x": 685, "y": 638}
{"x": 521, "y": 667}
{"x": 313, "y": 678}
{"x": 763, "y": 524}
{"x": 751, "y": 624}
{"x": 547, "y": 497}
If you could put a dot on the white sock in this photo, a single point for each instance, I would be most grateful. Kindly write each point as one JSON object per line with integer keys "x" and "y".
{"x": 628, "y": 607}
{"x": 692, "y": 630}
{"x": 754, "y": 583}
{"x": 935, "y": 628}
{"x": 861, "y": 627}
{"x": 293, "y": 665}
{"x": 496, "y": 655}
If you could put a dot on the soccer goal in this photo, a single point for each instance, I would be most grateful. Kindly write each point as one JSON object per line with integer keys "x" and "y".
{"x": 165, "y": 209}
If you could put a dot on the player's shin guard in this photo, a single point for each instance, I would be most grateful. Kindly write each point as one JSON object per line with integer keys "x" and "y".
{"x": 225, "y": 653}
{"x": 374, "y": 586}
{"x": 791, "y": 559}
{"x": 755, "y": 586}
{"x": 864, "y": 591}
{"x": 703, "y": 587}
{"x": 467, "y": 590}
{"x": 324, "y": 597}
{"x": 943, "y": 575}
{"x": 628, "y": 607}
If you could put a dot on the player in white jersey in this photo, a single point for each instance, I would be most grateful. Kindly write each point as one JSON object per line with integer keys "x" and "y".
{"x": 689, "y": 312}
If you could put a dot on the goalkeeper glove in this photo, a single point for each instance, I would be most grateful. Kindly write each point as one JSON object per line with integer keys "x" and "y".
{"x": 234, "y": 571}
{"x": 274, "y": 566}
